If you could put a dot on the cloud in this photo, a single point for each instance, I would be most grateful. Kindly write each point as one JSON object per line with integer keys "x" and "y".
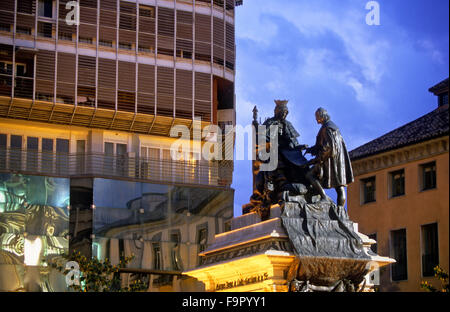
{"x": 429, "y": 47}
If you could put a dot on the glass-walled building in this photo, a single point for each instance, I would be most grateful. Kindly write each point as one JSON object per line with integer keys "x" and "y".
{"x": 86, "y": 111}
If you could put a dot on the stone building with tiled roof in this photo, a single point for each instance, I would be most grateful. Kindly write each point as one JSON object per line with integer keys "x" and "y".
{"x": 400, "y": 196}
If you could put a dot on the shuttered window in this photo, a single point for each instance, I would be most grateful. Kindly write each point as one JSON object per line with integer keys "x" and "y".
{"x": 106, "y": 83}
{"x": 146, "y": 89}
{"x": 184, "y": 44}
{"x": 45, "y": 75}
{"x": 126, "y": 86}
{"x": 229, "y": 45}
{"x": 184, "y": 94}
{"x": 202, "y": 106}
{"x": 166, "y": 29}
{"x": 127, "y": 23}
{"x": 202, "y": 37}
{"x": 165, "y": 91}
{"x": 65, "y": 86}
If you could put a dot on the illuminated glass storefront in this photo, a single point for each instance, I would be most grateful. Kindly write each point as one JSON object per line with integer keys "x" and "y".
{"x": 34, "y": 228}
{"x": 163, "y": 226}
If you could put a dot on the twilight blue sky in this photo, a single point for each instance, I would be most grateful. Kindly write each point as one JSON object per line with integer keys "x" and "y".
{"x": 371, "y": 79}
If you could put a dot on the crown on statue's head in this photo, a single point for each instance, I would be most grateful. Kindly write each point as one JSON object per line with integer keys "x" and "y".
{"x": 281, "y": 103}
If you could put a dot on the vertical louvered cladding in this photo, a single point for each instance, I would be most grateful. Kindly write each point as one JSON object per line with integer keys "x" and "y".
{"x": 230, "y": 57}
{"x": 65, "y": 85}
{"x": 184, "y": 34}
{"x": 107, "y": 34}
{"x": 146, "y": 42}
{"x": 165, "y": 86}
{"x": 202, "y": 37}
{"x": 88, "y": 21}
{"x": 6, "y": 76}
{"x": 6, "y": 18}
{"x": 184, "y": 94}
{"x": 26, "y": 6}
{"x": 86, "y": 70}
{"x": 25, "y": 18}
{"x": 62, "y": 11}
{"x": 87, "y": 31}
{"x": 127, "y": 23}
{"x": 45, "y": 75}
{"x": 8, "y": 5}
{"x": 25, "y": 21}
{"x": 166, "y": 30}
{"x": 66, "y": 32}
{"x": 108, "y": 13}
{"x": 146, "y": 29}
{"x": 229, "y": 5}
{"x": 106, "y": 83}
{"x": 86, "y": 80}
{"x": 202, "y": 105}
{"x": 126, "y": 86}
{"x": 146, "y": 89}
{"x": 146, "y": 22}
{"x": 218, "y": 41}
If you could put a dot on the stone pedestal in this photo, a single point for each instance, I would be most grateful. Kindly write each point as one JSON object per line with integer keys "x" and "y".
{"x": 258, "y": 256}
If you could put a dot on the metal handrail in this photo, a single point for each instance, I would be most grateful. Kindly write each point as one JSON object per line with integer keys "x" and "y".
{"x": 191, "y": 172}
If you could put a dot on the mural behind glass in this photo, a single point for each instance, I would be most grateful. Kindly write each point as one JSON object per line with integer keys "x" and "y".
{"x": 34, "y": 224}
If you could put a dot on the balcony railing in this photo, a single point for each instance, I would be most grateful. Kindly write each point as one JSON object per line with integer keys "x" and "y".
{"x": 191, "y": 172}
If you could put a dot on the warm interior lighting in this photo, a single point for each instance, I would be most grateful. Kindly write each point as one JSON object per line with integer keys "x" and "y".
{"x": 32, "y": 250}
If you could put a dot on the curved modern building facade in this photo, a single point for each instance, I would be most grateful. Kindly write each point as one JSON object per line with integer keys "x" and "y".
{"x": 89, "y": 93}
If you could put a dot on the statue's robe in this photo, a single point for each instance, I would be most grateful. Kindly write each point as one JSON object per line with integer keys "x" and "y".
{"x": 330, "y": 149}
{"x": 288, "y": 146}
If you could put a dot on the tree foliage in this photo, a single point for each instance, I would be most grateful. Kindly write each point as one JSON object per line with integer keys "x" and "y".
{"x": 443, "y": 277}
{"x": 99, "y": 275}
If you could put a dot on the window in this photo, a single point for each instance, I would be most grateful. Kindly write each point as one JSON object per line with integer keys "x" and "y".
{"x": 47, "y": 154}
{"x": 157, "y": 265}
{"x": 148, "y": 49}
{"x": 150, "y": 163}
{"x": 85, "y": 40}
{"x": 125, "y": 46}
{"x": 105, "y": 43}
{"x": 5, "y": 27}
{"x": 45, "y": 29}
{"x": 32, "y": 153}
{"x": 399, "y": 270}
{"x": 6, "y": 68}
{"x": 397, "y": 183}
{"x": 46, "y": 8}
{"x": 65, "y": 36}
{"x": 428, "y": 176}
{"x": 146, "y": 11}
{"x": 175, "y": 238}
{"x": 81, "y": 149}
{"x": 202, "y": 241}
{"x": 3, "y": 141}
{"x": 15, "y": 157}
{"x": 62, "y": 156}
{"x": 443, "y": 99}
{"x": 430, "y": 249}
{"x": 373, "y": 247}
{"x": 368, "y": 190}
{"x": 23, "y": 30}
{"x": 115, "y": 158}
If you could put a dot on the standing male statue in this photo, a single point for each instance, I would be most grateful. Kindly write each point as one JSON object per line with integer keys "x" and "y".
{"x": 332, "y": 167}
